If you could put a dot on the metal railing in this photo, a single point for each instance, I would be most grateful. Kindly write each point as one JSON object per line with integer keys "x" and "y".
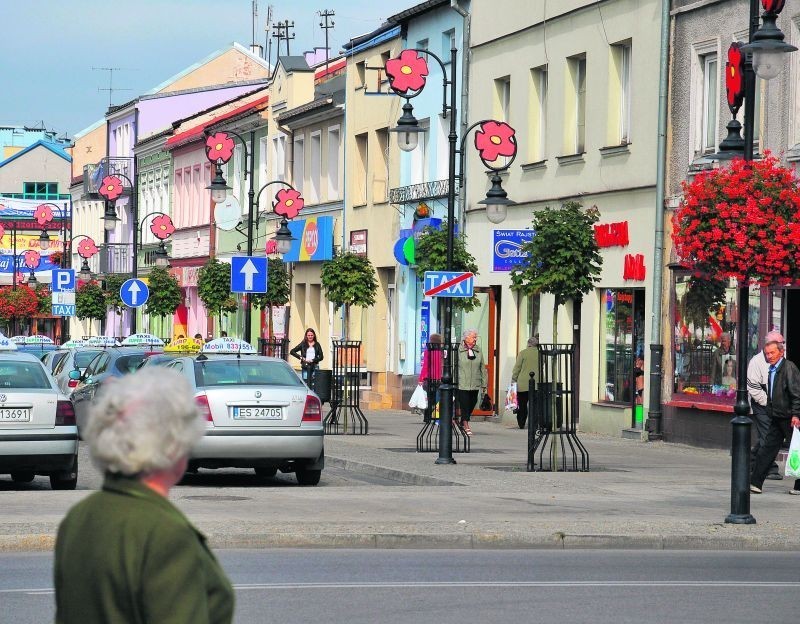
{"x": 346, "y": 415}
{"x": 274, "y": 347}
{"x": 94, "y": 173}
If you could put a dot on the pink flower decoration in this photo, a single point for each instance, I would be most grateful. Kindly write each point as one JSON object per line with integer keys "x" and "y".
{"x": 110, "y": 188}
{"x": 407, "y": 72}
{"x": 219, "y": 147}
{"x": 43, "y": 214}
{"x": 271, "y": 246}
{"x": 288, "y": 204}
{"x": 87, "y": 248}
{"x": 494, "y": 139}
{"x": 162, "y": 227}
{"x": 32, "y": 258}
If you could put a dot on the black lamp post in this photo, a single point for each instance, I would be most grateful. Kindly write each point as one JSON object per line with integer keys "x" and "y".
{"x": 219, "y": 150}
{"x": 86, "y": 249}
{"x": 762, "y": 56}
{"x": 495, "y": 139}
{"x": 44, "y": 218}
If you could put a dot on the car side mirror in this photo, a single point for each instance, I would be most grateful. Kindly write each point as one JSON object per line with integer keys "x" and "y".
{"x": 75, "y": 374}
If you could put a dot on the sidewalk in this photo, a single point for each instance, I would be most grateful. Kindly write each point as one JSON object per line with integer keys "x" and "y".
{"x": 636, "y": 495}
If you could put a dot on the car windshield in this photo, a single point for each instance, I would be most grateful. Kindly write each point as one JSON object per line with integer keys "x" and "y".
{"x": 82, "y": 358}
{"x": 23, "y": 375}
{"x": 129, "y": 363}
{"x": 244, "y": 373}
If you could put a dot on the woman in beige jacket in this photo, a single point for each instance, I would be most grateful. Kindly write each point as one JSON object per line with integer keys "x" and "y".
{"x": 471, "y": 376}
{"x": 527, "y": 363}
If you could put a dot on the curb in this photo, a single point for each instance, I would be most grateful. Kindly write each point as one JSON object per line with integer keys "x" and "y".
{"x": 408, "y": 478}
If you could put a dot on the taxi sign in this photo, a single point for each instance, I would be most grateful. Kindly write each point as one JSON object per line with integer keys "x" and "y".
{"x": 18, "y": 340}
{"x": 228, "y": 345}
{"x": 183, "y": 345}
{"x": 72, "y": 344}
{"x": 38, "y": 340}
{"x": 6, "y": 344}
{"x": 102, "y": 341}
{"x": 142, "y": 339}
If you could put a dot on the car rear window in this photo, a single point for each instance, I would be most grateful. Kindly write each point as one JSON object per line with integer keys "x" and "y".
{"x": 129, "y": 363}
{"x": 244, "y": 373}
{"x": 82, "y": 358}
{"x": 23, "y": 375}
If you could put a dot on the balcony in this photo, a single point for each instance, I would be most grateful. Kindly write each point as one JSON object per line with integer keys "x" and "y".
{"x": 93, "y": 174}
{"x": 115, "y": 258}
{"x": 424, "y": 191}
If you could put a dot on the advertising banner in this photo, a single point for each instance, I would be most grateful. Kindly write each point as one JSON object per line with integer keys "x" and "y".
{"x": 313, "y": 240}
{"x": 507, "y": 249}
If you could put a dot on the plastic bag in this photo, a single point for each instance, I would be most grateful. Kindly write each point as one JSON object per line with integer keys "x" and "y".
{"x": 419, "y": 399}
{"x": 511, "y": 396}
{"x": 793, "y": 458}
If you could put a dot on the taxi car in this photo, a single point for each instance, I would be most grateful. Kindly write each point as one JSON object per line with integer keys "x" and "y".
{"x": 259, "y": 412}
{"x": 38, "y": 434}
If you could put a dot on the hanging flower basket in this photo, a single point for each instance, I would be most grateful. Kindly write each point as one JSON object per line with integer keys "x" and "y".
{"x": 741, "y": 221}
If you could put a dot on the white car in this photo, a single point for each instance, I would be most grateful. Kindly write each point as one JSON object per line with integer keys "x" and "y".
{"x": 38, "y": 434}
{"x": 260, "y": 415}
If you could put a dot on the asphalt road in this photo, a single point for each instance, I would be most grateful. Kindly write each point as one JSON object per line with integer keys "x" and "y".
{"x": 459, "y": 587}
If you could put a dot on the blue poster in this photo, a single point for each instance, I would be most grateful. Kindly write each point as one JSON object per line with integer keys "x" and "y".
{"x": 7, "y": 264}
{"x": 313, "y": 239}
{"x": 507, "y": 249}
{"x": 424, "y": 328}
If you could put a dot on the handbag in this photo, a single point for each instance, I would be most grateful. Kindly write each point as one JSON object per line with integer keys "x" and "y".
{"x": 486, "y": 403}
{"x": 793, "y": 458}
{"x": 511, "y": 396}
{"x": 419, "y": 399}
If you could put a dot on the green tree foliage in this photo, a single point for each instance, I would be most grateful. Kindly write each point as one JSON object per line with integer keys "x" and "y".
{"x": 562, "y": 258}
{"x": 214, "y": 286}
{"x": 349, "y": 279}
{"x": 90, "y": 302}
{"x": 45, "y": 299}
{"x": 431, "y": 255}
{"x": 112, "y": 285}
{"x": 278, "y": 290}
{"x": 165, "y": 293}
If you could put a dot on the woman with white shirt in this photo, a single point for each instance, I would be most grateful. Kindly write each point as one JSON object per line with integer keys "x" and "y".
{"x": 309, "y": 352}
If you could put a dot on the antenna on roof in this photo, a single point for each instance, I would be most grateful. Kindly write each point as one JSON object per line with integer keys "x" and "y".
{"x": 267, "y": 27}
{"x": 327, "y": 26}
{"x": 111, "y": 88}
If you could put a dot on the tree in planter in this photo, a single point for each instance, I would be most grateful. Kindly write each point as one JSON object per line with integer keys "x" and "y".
{"x": 111, "y": 292}
{"x": 349, "y": 280}
{"x": 165, "y": 293}
{"x": 45, "y": 299}
{"x": 430, "y": 254}
{"x": 277, "y": 290}
{"x": 214, "y": 287}
{"x": 90, "y": 302}
{"x": 562, "y": 258}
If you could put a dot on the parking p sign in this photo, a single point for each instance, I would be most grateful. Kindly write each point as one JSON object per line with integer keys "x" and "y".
{"x": 63, "y": 280}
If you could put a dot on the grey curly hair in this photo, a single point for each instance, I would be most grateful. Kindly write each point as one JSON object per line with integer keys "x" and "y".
{"x": 143, "y": 422}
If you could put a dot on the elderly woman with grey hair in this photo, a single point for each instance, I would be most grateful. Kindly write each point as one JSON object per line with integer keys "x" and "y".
{"x": 471, "y": 377}
{"x": 527, "y": 363}
{"x": 125, "y": 553}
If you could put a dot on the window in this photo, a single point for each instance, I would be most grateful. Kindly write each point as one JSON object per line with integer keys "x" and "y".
{"x": 380, "y": 177}
{"x": 360, "y": 174}
{"x": 422, "y": 44}
{"x": 334, "y": 147}
{"x": 622, "y": 346}
{"x": 262, "y": 162}
{"x": 40, "y": 190}
{"x": 621, "y": 88}
{"x": 235, "y": 172}
{"x": 279, "y": 158}
{"x": 538, "y": 113}
{"x": 361, "y": 74}
{"x": 420, "y": 157}
{"x": 314, "y": 175}
{"x": 299, "y": 164}
{"x": 576, "y": 117}
{"x": 448, "y": 42}
{"x": 710, "y": 102}
{"x": 502, "y": 98}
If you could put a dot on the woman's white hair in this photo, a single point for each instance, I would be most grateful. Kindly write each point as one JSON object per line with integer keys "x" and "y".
{"x": 467, "y": 332}
{"x": 143, "y": 422}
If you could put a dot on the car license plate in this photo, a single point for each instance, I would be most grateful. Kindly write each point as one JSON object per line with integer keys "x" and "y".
{"x": 15, "y": 414}
{"x": 258, "y": 413}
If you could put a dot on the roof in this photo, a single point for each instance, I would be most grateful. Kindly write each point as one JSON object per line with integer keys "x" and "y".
{"x": 415, "y": 11}
{"x": 53, "y": 147}
{"x": 294, "y": 63}
{"x": 382, "y": 33}
{"x": 196, "y": 132}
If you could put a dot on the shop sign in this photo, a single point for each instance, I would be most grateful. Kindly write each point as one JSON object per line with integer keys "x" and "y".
{"x": 313, "y": 239}
{"x": 634, "y": 267}
{"x": 507, "y": 249}
{"x": 358, "y": 242}
{"x": 611, "y": 234}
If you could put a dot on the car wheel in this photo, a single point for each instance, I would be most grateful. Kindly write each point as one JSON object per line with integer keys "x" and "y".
{"x": 66, "y": 480}
{"x": 22, "y": 477}
{"x": 266, "y": 471}
{"x": 308, "y": 477}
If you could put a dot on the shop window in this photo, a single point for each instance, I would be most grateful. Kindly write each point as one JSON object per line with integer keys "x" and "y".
{"x": 622, "y": 346}
{"x": 705, "y": 337}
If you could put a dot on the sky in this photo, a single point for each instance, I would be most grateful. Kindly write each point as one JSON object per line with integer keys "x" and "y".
{"x": 49, "y": 48}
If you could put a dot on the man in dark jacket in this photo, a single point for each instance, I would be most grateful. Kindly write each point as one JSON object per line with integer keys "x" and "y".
{"x": 783, "y": 405}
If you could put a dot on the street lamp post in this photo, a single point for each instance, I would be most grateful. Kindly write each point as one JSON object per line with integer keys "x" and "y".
{"x": 762, "y": 56}
{"x": 407, "y": 77}
{"x": 86, "y": 249}
{"x": 288, "y": 201}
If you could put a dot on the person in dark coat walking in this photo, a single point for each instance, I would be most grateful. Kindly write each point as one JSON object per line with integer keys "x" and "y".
{"x": 757, "y": 378}
{"x": 527, "y": 363}
{"x": 783, "y": 406}
{"x": 309, "y": 352}
{"x": 126, "y": 554}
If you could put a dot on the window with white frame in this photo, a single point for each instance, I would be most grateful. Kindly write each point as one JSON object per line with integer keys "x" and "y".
{"x": 710, "y": 102}
{"x": 576, "y": 128}
{"x": 263, "y": 172}
{"x": 502, "y": 98}
{"x": 332, "y": 164}
{"x": 235, "y": 169}
{"x": 538, "y": 113}
{"x": 420, "y": 157}
{"x": 299, "y": 164}
{"x": 279, "y": 158}
{"x": 314, "y": 194}
{"x": 380, "y": 176}
{"x": 621, "y": 77}
{"x": 361, "y": 167}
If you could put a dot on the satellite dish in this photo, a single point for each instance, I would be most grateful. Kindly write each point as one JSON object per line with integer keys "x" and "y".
{"x": 228, "y": 213}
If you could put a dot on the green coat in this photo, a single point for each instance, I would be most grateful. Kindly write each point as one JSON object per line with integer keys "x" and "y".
{"x": 471, "y": 373}
{"x": 527, "y": 363}
{"x": 126, "y": 555}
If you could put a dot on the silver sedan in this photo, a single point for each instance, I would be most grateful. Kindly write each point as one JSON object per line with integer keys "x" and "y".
{"x": 260, "y": 415}
{"x": 38, "y": 434}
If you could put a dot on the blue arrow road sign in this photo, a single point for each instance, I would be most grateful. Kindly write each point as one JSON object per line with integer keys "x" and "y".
{"x": 249, "y": 274}
{"x": 134, "y": 293}
{"x": 63, "y": 280}
{"x": 448, "y": 284}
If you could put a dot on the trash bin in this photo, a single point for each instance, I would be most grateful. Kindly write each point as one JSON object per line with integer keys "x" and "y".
{"x": 322, "y": 384}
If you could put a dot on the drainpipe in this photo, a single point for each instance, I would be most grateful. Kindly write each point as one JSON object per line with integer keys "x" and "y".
{"x": 465, "y": 61}
{"x": 654, "y": 415}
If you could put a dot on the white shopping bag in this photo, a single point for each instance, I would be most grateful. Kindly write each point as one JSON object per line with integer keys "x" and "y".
{"x": 793, "y": 459}
{"x": 419, "y": 400}
{"x": 511, "y": 396}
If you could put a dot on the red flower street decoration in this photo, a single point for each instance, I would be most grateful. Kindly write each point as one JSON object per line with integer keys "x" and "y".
{"x": 288, "y": 204}
{"x": 110, "y": 188}
{"x": 407, "y": 72}
{"x": 32, "y": 258}
{"x": 162, "y": 227}
{"x": 271, "y": 247}
{"x": 773, "y": 6}
{"x": 734, "y": 77}
{"x": 495, "y": 139}
{"x": 741, "y": 221}
{"x": 21, "y": 302}
{"x": 43, "y": 214}
{"x": 219, "y": 148}
{"x": 87, "y": 248}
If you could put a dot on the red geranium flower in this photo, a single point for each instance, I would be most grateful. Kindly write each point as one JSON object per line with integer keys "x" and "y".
{"x": 43, "y": 214}
{"x": 271, "y": 246}
{"x": 162, "y": 227}
{"x": 87, "y": 248}
{"x": 219, "y": 147}
{"x": 288, "y": 204}
{"x": 495, "y": 139}
{"x": 407, "y": 72}
{"x": 734, "y": 76}
{"x": 32, "y": 258}
{"x": 110, "y": 188}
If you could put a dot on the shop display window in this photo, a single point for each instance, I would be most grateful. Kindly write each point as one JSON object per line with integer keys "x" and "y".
{"x": 622, "y": 346}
